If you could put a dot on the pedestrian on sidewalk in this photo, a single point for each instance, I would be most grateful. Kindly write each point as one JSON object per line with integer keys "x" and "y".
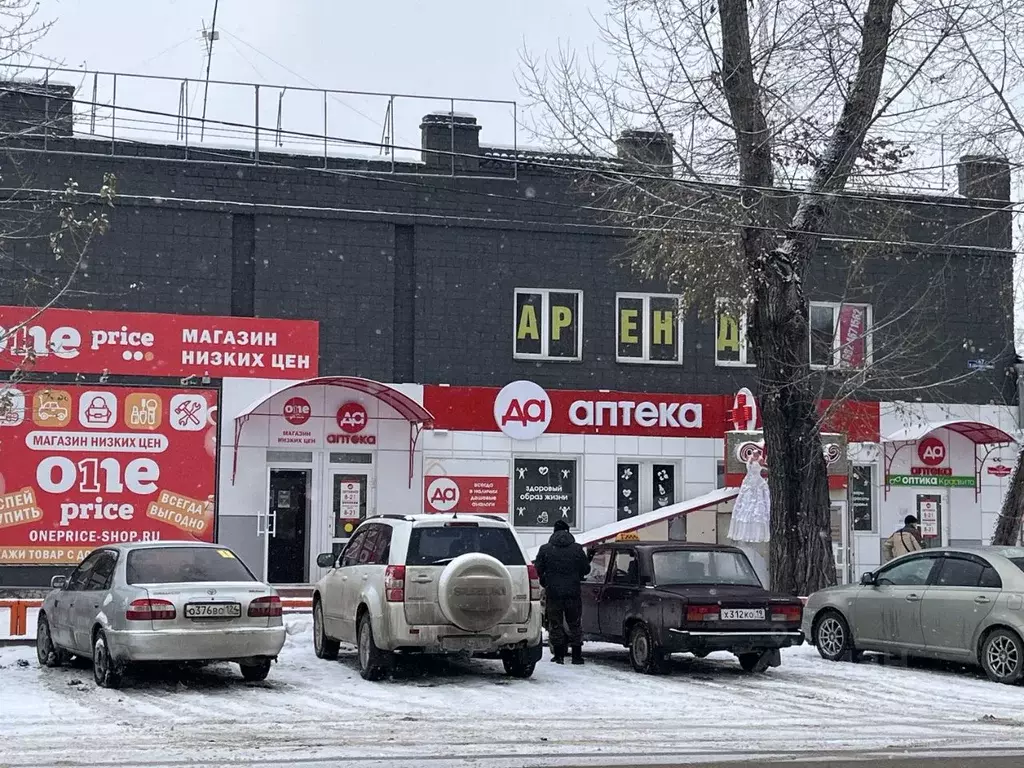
{"x": 562, "y": 565}
{"x": 904, "y": 541}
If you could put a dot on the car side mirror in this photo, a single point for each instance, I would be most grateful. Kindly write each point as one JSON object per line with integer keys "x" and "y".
{"x": 59, "y": 582}
{"x": 868, "y": 579}
{"x": 325, "y": 560}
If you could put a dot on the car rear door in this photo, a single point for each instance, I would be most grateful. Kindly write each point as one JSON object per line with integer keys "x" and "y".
{"x": 592, "y": 589}
{"x": 963, "y": 592}
{"x": 887, "y": 616}
{"x": 90, "y": 599}
{"x": 619, "y": 593}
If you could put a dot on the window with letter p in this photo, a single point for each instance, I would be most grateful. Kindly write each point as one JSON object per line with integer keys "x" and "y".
{"x": 548, "y": 324}
{"x": 840, "y": 335}
{"x": 649, "y": 329}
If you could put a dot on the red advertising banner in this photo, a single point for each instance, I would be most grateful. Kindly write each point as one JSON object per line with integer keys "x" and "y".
{"x": 148, "y": 344}
{"x": 86, "y": 466}
{"x": 853, "y": 345}
{"x": 469, "y": 495}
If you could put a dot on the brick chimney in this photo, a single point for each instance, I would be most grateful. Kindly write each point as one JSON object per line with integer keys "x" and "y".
{"x": 36, "y": 109}
{"x": 450, "y": 141}
{"x": 984, "y": 177}
{"x": 650, "y": 149}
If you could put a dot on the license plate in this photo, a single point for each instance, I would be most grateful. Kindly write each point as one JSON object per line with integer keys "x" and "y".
{"x": 742, "y": 614}
{"x": 466, "y": 643}
{"x": 213, "y": 610}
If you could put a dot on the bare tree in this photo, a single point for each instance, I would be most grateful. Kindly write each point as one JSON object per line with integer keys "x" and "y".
{"x": 806, "y": 94}
{"x": 44, "y": 237}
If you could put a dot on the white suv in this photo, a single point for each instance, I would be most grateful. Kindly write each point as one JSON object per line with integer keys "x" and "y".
{"x": 438, "y": 584}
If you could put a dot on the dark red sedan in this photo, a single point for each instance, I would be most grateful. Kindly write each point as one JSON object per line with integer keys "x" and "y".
{"x": 661, "y": 598}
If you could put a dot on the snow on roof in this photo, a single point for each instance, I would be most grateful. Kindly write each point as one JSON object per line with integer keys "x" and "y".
{"x": 612, "y": 530}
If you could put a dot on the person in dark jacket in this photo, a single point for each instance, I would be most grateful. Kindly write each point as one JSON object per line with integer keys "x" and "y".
{"x": 561, "y": 565}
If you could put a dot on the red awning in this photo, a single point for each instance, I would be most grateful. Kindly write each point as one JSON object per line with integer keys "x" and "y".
{"x": 978, "y": 432}
{"x": 419, "y": 418}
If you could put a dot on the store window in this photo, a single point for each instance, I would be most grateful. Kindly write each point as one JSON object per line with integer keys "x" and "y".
{"x": 862, "y": 497}
{"x": 732, "y": 344}
{"x": 840, "y": 335}
{"x": 720, "y": 474}
{"x": 649, "y": 329}
{"x": 548, "y": 324}
{"x": 544, "y": 491}
{"x": 643, "y": 486}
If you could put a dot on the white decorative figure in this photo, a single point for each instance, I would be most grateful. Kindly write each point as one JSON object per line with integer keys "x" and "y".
{"x": 751, "y": 514}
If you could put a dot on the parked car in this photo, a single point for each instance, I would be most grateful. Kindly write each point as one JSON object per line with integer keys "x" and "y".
{"x": 429, "y": 584}
{"x": 169, "y": 601}
{"x": 956, "y": 604}
{"x": 657, "y": 599}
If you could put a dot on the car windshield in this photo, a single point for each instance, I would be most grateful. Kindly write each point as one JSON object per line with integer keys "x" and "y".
{"x": 681, "y": 566}
{"x": 436, "y": 545}
{"x": 176, "y": 565}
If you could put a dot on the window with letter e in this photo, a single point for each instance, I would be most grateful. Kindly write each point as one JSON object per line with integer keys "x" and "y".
{"x": 548, "y": 324}
{"x": 649, "y": 329}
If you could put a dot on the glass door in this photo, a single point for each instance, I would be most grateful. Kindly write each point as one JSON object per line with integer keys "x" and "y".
{"x": 287, "y": 525}
{"x": 929, "y": 515}
{"x": 841, "y": 540}
{"x": 350, "y": 496}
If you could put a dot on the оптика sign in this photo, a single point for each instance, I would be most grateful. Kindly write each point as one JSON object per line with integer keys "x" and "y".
{"x": 933, "y": 481}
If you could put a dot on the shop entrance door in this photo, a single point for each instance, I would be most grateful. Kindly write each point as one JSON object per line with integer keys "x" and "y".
{"x": 287, "y": 526}
{"x": 930, "y": 512}
{"x": 841, "y": 540}
{"x": 350, "y": 494}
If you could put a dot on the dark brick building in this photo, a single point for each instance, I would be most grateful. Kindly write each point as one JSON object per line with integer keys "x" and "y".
{"x": 412, "y": 270}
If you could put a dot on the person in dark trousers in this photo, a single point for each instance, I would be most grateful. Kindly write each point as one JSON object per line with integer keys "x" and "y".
{"x": 561, "y": 565}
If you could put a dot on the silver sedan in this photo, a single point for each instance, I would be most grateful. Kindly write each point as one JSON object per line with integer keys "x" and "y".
{"x": 955, "y": 604}
{"x": 170, "y": 601}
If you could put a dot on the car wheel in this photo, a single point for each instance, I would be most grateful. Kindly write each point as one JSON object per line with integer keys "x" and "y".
{"x": 374, "y": 664}
{"x": 833, "y": 639}
{"x": 754, "y": 662}
{"x": 1002, "y": 657}
{"x": 254, "y": 673}
{"x": 644, "y": 653}
{"x": 323, "y": 646}
{"x": 105, "y": 671}
{"x": 518, "y": 665}
{"x": 49, "y": 655}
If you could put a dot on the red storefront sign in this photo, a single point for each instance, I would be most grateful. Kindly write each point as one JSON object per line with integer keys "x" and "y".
{"x": 85, "y": 466}
{"x": 525, "y": 412}
{"x": 148, "y": 344}
{"x": 853, "y": 322}
{"x": 469, "y": 495}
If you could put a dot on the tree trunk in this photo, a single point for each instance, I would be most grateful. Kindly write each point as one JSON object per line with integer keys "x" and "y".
{"x": 1008, "y": 527}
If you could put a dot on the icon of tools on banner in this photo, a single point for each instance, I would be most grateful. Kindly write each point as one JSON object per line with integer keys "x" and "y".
{"x": 51, "y": 408}
{"x": 143, "y": 410}
{"x": 97, "y": 410}
{"x": 188, "y": 413}
{"x": 12, "y": 407}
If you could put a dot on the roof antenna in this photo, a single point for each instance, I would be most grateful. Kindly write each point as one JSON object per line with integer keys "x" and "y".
{"x": 210, "y": 35}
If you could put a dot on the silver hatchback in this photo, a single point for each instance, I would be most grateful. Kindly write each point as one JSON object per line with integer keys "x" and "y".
{"x": 955, "y": 604}
{"x": 170, "y": 601}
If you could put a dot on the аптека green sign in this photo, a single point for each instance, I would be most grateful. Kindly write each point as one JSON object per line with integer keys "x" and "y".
{"x": 933, "y": 481}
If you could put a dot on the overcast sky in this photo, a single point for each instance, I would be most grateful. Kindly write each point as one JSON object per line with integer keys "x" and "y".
{"x": 458, "y": 48}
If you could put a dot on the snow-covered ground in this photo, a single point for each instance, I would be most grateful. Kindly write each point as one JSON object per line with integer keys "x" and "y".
{"x": 315, "y": 712}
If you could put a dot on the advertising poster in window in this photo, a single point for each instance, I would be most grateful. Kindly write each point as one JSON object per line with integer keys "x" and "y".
{"x": 628, "y": 490}
{"x": 544, "y": 491}
{"x": 852, "y": 339}
{"x": 860, "y": 497}
{"x": 85, "y": 466}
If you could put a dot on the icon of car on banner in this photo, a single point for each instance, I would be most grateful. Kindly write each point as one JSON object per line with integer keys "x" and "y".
{"x": 97, "y": 410}
{"x": 50, "y": 410}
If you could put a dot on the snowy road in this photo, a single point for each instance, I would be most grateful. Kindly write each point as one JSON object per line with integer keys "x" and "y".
{"x": 310, "y": 711}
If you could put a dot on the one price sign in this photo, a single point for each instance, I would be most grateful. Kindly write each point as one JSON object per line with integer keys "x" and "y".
{"x": 88, "y": 466}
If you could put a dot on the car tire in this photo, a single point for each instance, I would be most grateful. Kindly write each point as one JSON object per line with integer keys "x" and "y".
{"x": 833, "y": 638}
{"x": 1002, "y": 657}
{"x": 49, "y": 655}
{"x": 753, "y": 662}
{"x": 105, "y": 671}
{"x": 517, "y": 664}
{"x": 645, "y": 654}
{"x": 255, "y": 673}
{"x": 374, "y": 664}
{"x": 324, "y": 647}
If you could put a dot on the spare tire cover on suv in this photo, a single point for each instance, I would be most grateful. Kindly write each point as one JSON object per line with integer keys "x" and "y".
{"x": 475, "y": 592}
